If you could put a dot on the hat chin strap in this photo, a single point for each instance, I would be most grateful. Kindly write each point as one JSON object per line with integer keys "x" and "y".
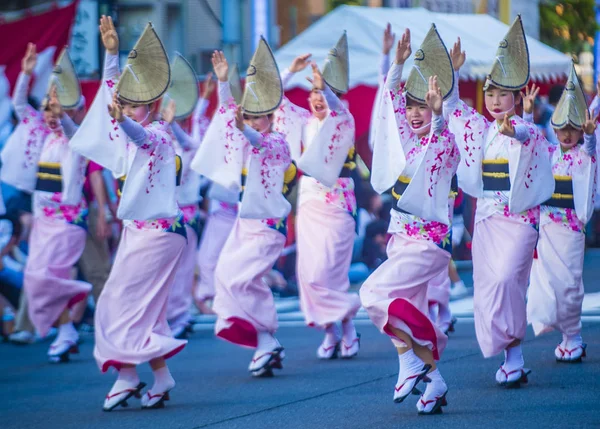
{"x": 420, "y": 130}
{"x": 500, "y": 115}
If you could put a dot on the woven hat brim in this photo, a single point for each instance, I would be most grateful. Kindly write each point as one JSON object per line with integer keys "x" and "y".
{"x": 432, "y": 59}
{"x": 572, "y": 107}
{"x": 147, "y": 72}
{"x": 336, "y": 70}
{"x": 183, "y": 88}
{"x": 264, "y": 90}
{"x": 235, "y": 83}
{"x": 511, "y": 68}
{"x": 64, "y": 78}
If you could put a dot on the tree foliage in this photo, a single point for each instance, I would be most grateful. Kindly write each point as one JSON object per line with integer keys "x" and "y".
{"x": 332, "y": 4}
{"x": 568, "y": 25}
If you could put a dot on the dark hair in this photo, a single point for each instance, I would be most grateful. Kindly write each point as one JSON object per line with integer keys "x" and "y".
{"x": 33, "y": 102}
{"x": 555, "y": 93}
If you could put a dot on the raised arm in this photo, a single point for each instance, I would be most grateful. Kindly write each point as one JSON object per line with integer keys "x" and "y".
{"x": 186, "y": 141}
{"x": 221, "y": 68}
{"x": 22, "y": 87}
{"x": 110, "y": 40}
{"x": 388, "y": 43}
{"x": 403, "y": 52}
{"x": 589, "y": 134}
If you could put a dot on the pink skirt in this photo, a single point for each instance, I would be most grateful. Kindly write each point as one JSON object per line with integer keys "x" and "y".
{"x": 243, "y": 302}
{"x": 556, "y": 286}
{"x": 325, "y": 241}
{"x": 502, "y": 256}
{"x": 217, "y": 229}
{"x": 54, "y": 247}
{"x": 438, "y": 291}
{"x": 131, "y": 314}
{"x": 395, "y": 295}
{"x": 180, "y": 295}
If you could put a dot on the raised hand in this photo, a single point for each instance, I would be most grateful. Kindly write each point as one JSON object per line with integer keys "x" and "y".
{"x": 403, "y": 49}
{"x": 115, "y": 110}
{"x": 29, "y": 60}
{"x": 317, "y": 78}
{"x": 209, "y": 86}
{"x": 388, "y": 39}
{"x": 590, "y": 124}
{"x": 457, "y": 55}
{"x": 239, "y": 118}
{"x": 300, "y": 63}
{"x": 220, "y": 66}
{"x": 529, "y": 97}
{"x": 54, "y": 104}
{"x": 168, "y": 114}
{"x": 110, "y": 38}
{"x": 434, "y": 98}
{"x": 507, "y": 127}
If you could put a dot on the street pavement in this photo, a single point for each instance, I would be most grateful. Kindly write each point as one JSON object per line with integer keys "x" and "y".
{"x": 214, "y": 389}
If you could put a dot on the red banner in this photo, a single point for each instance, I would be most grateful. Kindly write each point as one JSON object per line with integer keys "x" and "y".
{"x": 50, "y": 31}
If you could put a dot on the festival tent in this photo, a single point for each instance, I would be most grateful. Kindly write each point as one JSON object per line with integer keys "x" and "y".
{"x": 480, "y": 35}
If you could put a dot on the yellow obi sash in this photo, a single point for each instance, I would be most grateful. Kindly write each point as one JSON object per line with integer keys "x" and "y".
{"x": 49, "y": 177}
{"x": 121, "y": 180}
{"x": 563, "y": 193}
{"x": 495, "y": 175}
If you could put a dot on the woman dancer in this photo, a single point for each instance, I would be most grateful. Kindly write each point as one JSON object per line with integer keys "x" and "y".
{"x": 130, "y": 323}
{"x": 415, "y": 155}
{"x": 556, "y": 285}
{"x": 505, "y": 166}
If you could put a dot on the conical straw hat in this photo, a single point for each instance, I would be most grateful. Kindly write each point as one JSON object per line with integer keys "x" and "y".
{"x": 511, "y": 67}
{"x": 336, "y": 70}
{"x": 431, "y": 59}
{"x": 65, "y": 80}
{"x": 264, "y": 91}
{"x": 147, "y": 73}
{"x": 183, "y": 88}
{"x": 235, "y": 83}
{"x": 571, "y": 107}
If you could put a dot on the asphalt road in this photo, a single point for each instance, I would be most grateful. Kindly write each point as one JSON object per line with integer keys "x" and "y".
{"x": 214, "y": 389}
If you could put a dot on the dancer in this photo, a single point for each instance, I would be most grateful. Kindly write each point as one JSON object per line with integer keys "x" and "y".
{"x": 184, "y": 91}
{"x": 131, "y": 325}
{"x": 556, "y": 286}
{"x": 222, "y": 212}
{"x": 505, "y": 166}
{"x": 326, "y": 203}
{"x": 415, "y": 155}
{"x": 239, "y": 142}
{"x": 58, "y": 235}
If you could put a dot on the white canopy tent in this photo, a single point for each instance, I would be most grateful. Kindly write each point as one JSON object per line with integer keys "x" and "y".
{"x": 480, "y": 35}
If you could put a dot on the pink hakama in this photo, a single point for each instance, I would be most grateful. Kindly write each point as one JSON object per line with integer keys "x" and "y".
{"x": 556, "y": 288}
{"x": 325, "y": 239}
{"x": 502, "y": 257}
{"x": 243, "y": 302}
{"x": 217, "y": 229}
{"x": 180, "y": 296}
{"x": 131, "y": 314}
{"x": 438, "y": 291}
{"x": 55, "y": 246}
{"x": 396, "y": 294}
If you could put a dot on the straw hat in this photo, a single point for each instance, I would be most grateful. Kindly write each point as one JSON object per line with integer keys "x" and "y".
{"x": 147, "y": 73}
{"x": 235, "y": 83}
{"x": 571, "y": 107}
{"x": 431, "y": 59}
{"x": 264, "y": 91}
{"x": 510, "y": 70}
{"x": 183, "y": 88}
{"x": 65, "y": 80}
{"x": 336, "y": 70}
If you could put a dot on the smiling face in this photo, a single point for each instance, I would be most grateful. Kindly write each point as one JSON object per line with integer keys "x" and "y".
{"x": 418, "y": 116}
{"x": 262, "y": 124}
{"x": 568, "y": 137}
{"x": 139, "y": 113}
{"x": 501, "y": 101}
{"x": 318, "y": 104}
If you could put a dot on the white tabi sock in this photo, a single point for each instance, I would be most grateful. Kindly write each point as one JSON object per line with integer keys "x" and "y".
{"x": 163, "y": 381}
{"x": 409, "y": 363}
{"x": 571, "y": 341}
{"x": 266, "y": 342}
{"x": 67, "y": 332}
{"x": 349, "y": 331}
{"x": 127, "y": 379}
{"x": 513, "y": 358}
